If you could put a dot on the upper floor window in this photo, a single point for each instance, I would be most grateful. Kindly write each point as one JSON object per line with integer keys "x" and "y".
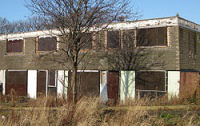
{"x": 47, "y": 44}
{"x": 152, "y": 37}
{"x": 15, "y": 46}
{"x": 51, "y": 78}
{"x": 86, "y": 41}
{"x": 113, "y": 39}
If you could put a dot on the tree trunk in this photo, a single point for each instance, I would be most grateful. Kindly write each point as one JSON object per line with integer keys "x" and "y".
{"x": 74, "y": 84}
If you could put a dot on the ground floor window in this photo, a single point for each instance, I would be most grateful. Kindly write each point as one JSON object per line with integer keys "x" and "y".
{"x": 150, "y": 83}
{"x": 16, "y": 82}
{"x": 88, "y": 84}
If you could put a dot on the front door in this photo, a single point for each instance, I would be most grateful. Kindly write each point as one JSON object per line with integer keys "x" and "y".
{"x": 41, "y": 83}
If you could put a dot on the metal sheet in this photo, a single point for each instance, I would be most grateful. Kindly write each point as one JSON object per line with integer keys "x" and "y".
{"x": 32, "y": 83}
{"x": 173, "y": 83}
{"x": 127, "y": 85}
{"x": 113, "y": 86}
{"x": 103, "y": 86}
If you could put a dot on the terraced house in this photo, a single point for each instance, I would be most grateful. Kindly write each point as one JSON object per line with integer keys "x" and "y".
{"x": 170, "y": 63}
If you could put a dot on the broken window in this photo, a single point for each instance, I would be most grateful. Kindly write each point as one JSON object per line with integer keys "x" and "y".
{"x": 52, "y": 79}
{"x": 99, "y": 40}
{"x": 86, "y": 41}
{"x": 47, "y": 44}
{"x": 113, "y": 39}
{"x": 128, "y": 39}
{"x": 15, "y": 46}
{"x": 152, "y": 37}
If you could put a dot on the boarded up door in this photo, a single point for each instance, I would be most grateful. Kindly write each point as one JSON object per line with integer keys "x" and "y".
{"x": 113, "y": 86}
{"x": 16, "y": 81}
{"x": 188, "y": 84}
{"x": 41, "y": 83}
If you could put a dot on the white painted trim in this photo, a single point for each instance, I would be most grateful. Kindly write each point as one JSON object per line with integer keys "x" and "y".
{"x": 32, "y": 83}
{"x": 3, "y": 80}
{"x": 65, "y": 88}
{"x": 47, "y": 36}
{"x": 47, "y": 80}
{"x": 16, "y": 70}
{"x": 87, "y": 71}
{"x": 12, "y": 39}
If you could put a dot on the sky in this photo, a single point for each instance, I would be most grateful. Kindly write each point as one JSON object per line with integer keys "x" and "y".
{"x": 15, "y": 10}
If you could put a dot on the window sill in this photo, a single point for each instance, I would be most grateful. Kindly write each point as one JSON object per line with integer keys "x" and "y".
{"x": 14, "y": 54}
{"x": 164, "y": 46}
{"x": 46, "y": 52}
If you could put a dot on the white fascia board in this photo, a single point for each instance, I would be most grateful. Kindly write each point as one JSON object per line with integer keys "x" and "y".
{"x": 30, "y": 34}
{"x": 12, "y": 39}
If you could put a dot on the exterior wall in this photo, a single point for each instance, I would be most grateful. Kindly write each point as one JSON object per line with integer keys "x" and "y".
{"x": 189, "y": 49}
{"x": 166, "y": 57}
{"x": 127, "y": 85}
{"x": 32, "y": 83}
{"x": 2, "y": 79}
{"x": 173, "y": 83}
{"x": 189, "y": 84}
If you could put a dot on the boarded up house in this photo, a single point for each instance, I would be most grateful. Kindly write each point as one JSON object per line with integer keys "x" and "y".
{"x": 172, "y": 64}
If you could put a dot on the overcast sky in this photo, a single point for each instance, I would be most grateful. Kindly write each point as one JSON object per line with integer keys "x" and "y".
{"x": 188, "y": 9}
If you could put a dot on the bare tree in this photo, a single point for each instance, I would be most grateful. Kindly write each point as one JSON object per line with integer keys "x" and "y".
{"x": 31, "y": 24}
{"x": 75, "y": 18}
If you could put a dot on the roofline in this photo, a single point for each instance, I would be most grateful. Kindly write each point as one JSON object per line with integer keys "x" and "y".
{"x": 145, "y": 23}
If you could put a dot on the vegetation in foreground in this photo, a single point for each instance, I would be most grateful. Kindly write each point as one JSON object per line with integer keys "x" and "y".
{"x": 90, "y": 111}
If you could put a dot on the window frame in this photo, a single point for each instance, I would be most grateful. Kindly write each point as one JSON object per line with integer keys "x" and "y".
{"x": 163, "y": 71}
{"x": 120, "y": 40}
{"x": 93, "y": 43}
{"x": 15, "y": 39}
{"x": 49, "y": 77}
{"x": 46, "y": 36}
{"x": 153, "y": 46}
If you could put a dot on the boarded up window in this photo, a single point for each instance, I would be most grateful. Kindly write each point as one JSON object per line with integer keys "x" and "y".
{"x": 88, "y": 84}
{"x": 47, "y": 44}
{"x": 150, "y": 80}
{"x": 128, "y": 39}
{"x": 17, "y": 81}
{"x": 113, "y": 39}
{"x": 99, "y": 40}
{"x": 86, "y": 41}
{"x": 52, "y": 78}
{"x": 15, "y": 45}
{"x": 152, "y": 37}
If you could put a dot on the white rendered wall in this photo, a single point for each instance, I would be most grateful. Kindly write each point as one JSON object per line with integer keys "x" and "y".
{"x": 32, "y": 83}
{"x": 173, "y": 83}
{"x": 103, "y": 87}
{"x": 127, "y": 85}
{"x": 65, "y": 88}
{"x": 2, "y": 80}
{"x": 60, "y": 82}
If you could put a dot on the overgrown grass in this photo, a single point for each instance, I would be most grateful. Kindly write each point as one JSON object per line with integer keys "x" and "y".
{"x": 89, "y": 111}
